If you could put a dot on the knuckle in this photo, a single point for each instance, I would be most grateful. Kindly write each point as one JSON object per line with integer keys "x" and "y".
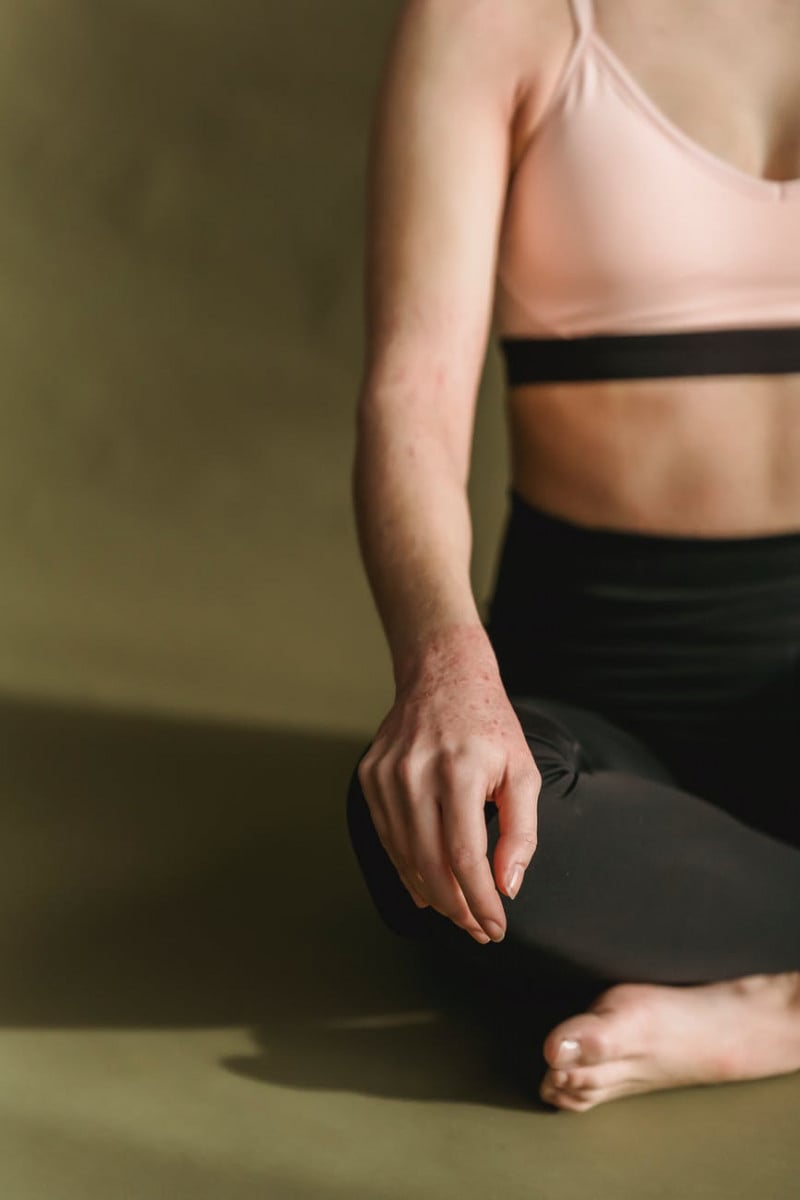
{"x": 430, "y": 866}
{"x": 364, "y": 772}
{"x": 464, "y": 857}
{"x": 459, "y": 758}
{"x": 527, "y": 773}
{"x": 403, "y": 769}
{"x": 382, "y": 773}
{"x": 385, "y": 791}
{"x": 452, "y": 903}
{"x": 530, "y": 768}
{"x": 376, "y": 779}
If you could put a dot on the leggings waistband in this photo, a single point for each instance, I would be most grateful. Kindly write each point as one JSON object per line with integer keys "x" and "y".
{"x": 683, "y": 560}
{"x": 659, "y": 632}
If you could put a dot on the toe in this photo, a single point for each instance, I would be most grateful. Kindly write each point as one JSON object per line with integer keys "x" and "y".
{"x": 598, "y": 1082}
{"x": 590, "y": 1086}
{"x": 565, "y": 1100}
{"x": 552, "y": 1081}
{"x": 582, "y": 1088}
{"x": 578, "y": 1103}
{"x": 587, "y": 1039}
{"x": 559, "y": 1086}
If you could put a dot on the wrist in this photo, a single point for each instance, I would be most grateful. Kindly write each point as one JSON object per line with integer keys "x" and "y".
{"x": 445, "y": 651}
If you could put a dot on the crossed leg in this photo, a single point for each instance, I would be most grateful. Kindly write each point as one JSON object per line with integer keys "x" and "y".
{"x": 694, "y": 913}
{"x": 732, "y": 916}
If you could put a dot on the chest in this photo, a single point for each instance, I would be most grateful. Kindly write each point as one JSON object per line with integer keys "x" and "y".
{"x": 620, "y": 218}
{"x": 727, "y": 76}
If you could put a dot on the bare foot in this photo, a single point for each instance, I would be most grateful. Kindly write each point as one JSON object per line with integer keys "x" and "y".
{"x": 643, "y": 1037}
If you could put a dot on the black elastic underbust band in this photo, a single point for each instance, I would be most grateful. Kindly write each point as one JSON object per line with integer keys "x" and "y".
{"x": 770, "y": 350}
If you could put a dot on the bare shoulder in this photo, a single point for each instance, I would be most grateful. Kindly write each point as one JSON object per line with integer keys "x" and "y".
{"x": 514, "y": 50}
{"x": 508, "y": 41}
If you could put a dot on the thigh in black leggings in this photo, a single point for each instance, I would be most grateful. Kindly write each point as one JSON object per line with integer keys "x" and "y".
{"x": 655, "y": 680}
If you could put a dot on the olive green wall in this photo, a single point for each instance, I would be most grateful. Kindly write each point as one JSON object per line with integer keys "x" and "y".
{"x": 181, "y": 246}
{"x": 198, "y": 997}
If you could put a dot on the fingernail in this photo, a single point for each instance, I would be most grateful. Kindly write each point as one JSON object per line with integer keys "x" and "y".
{"x": 568, "y": 1052}
{"x": 515, "y": 879}
{"x": 495, "y": 931}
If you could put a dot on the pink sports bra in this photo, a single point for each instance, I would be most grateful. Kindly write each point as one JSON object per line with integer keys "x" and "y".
{"x": 630, "y": 251}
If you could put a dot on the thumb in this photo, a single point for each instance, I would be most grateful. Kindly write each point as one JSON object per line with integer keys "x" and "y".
{"x": 517, "y": 803}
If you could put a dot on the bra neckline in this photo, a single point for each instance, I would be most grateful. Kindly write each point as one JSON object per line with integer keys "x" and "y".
{"x": 776, "y": 189}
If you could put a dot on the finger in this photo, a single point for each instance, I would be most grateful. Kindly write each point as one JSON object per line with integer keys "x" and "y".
{"x": 395, "y": 792}
{"x": 448, "y": 900}
{"x": 517, "y": 816}
{"x": 464, "y": 826}
{"x": 415, "y": 895}
{"x": 426, "y": 862}
{"x": 386, "y": 788}
{"x": 377, "y": 786}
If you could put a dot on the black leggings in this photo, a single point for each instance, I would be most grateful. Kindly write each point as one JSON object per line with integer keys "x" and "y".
{"x": 656, "y": 680}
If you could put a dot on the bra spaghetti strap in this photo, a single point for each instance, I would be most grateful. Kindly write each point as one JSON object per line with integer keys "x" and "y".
{"x": 584, "y": 16}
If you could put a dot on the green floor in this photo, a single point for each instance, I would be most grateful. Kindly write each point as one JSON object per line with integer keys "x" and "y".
{"x": 197, "y": 999}
{"x": 199, "y": 1002}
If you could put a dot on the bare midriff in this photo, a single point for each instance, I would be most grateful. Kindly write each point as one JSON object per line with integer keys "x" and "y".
{"x": 713, "y": 455}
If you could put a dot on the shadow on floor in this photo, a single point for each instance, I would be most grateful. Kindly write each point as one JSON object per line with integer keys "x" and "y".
{"x": 164, "y": 872}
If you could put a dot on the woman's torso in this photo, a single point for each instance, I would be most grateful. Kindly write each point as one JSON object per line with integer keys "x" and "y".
{"x": 716, "y": 455}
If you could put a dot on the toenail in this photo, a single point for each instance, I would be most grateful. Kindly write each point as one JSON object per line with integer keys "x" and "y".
{"x": 568, "y": 1052}
{"x": 559, "y": 1078}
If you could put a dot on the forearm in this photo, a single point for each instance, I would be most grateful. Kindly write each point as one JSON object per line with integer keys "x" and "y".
{"x": 415, "y": 535}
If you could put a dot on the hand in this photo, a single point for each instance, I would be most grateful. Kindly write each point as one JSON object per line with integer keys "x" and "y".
{"x": 450, "y": 742}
